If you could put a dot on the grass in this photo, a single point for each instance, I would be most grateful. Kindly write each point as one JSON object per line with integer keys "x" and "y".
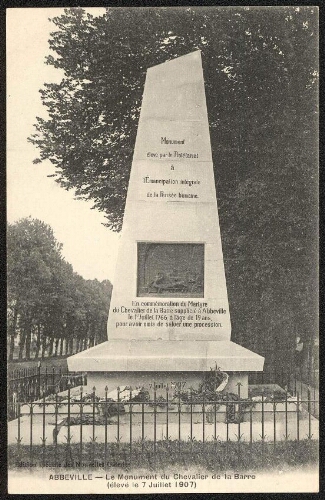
{"x": 212, "y": 456}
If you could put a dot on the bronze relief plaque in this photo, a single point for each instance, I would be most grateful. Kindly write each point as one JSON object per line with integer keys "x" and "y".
{"x": 170, "y": 269}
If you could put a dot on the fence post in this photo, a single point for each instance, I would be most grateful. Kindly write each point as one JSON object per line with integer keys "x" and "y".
{"x": 53, "y": 378}
{"x": 191, "y": 422}
{"x": 130, "y": 413}
{"x": 298, "y": 416}
{"x": 239, "y": 418}
{"x": 118, "y": 420}
{"x": 263, "y": 436}
{"x": 274, "y": 422}
{"x": 43, "y": 436}
{"x": 81, "y": 423}
{"x": 68, "y": 451}
{"x": 31, "y": 434}
{"x": 251, "y": 424}
{"x": 28, "y": 384}
{"x": 167, "y": 409}
{"x": 38, "y": 380}
{"x": 179, "y": 423}
{"x": 227, "y": 422}
{"x": 93, "y": 435}
{"x": 314, "y": 391}
{"x": 55, "y": 430}
{"x": 19, "y": 438}
{"x": 154, "y": 421}
{"x": 309, "y": 413}
{"x": 60, "y": 379}
{"x": 215, "y": 424}
{"x": 106, "y": 412}
{"x": 22, "y": 390}
{"x": 142, "y": 426}
{"x": 286, "y": 415}
{"x": 203, "y": 420}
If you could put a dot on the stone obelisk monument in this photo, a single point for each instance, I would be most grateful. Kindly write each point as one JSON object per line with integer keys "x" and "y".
{"x": 169, "y": 319}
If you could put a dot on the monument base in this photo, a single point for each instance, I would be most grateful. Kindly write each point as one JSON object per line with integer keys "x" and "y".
{"x": 177, "y": 363}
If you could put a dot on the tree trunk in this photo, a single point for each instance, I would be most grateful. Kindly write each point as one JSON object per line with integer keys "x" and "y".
{"x": 56, "y": 347}
{"x": 38, "y": 341}
{"x": 44, "y": 341}
{"x": 22, "y": 344}
{"x": 12, "y": 335}
{"x": 51, "y": 346}
{"x": 11, "y": 345}
{"x": 28, "y": 340}
{"x": 71, "y": 345}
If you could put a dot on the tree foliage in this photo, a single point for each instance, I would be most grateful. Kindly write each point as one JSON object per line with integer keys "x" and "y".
{"x": 260, "y": 70}
{"x": 49, "y": 305}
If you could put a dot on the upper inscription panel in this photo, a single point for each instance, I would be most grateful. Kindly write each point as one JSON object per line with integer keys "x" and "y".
{"x": 172, "y": 182}
{"x": 175, "y": 141}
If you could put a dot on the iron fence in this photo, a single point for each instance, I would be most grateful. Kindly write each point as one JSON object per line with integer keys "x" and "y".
{"x": 91, "y": 427}
{"x": 30, "y": 384}
{"x": 289, "y": 376}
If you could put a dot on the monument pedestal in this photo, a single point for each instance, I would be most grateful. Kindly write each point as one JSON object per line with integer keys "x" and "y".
{"x": 160, "y": 363}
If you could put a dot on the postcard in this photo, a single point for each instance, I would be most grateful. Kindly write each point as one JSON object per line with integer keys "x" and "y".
{"x": 162, "y": 250}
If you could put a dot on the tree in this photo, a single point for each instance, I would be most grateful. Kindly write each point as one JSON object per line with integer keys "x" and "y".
{"x": 32, "y": 249}
{"x": 47, "y": 300}
{"x": 257, "y": 60}
{"x": 260, "y": 69}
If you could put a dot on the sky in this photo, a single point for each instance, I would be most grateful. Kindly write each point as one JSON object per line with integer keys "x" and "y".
{"x": 90, "y": 247}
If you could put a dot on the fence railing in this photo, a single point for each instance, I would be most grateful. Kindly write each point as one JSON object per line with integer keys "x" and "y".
{"x": 28, "y": 385}
{"x": 31, "y": 384}
{"x": 286, "y": 376}
{"x": 89, "y": 423}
